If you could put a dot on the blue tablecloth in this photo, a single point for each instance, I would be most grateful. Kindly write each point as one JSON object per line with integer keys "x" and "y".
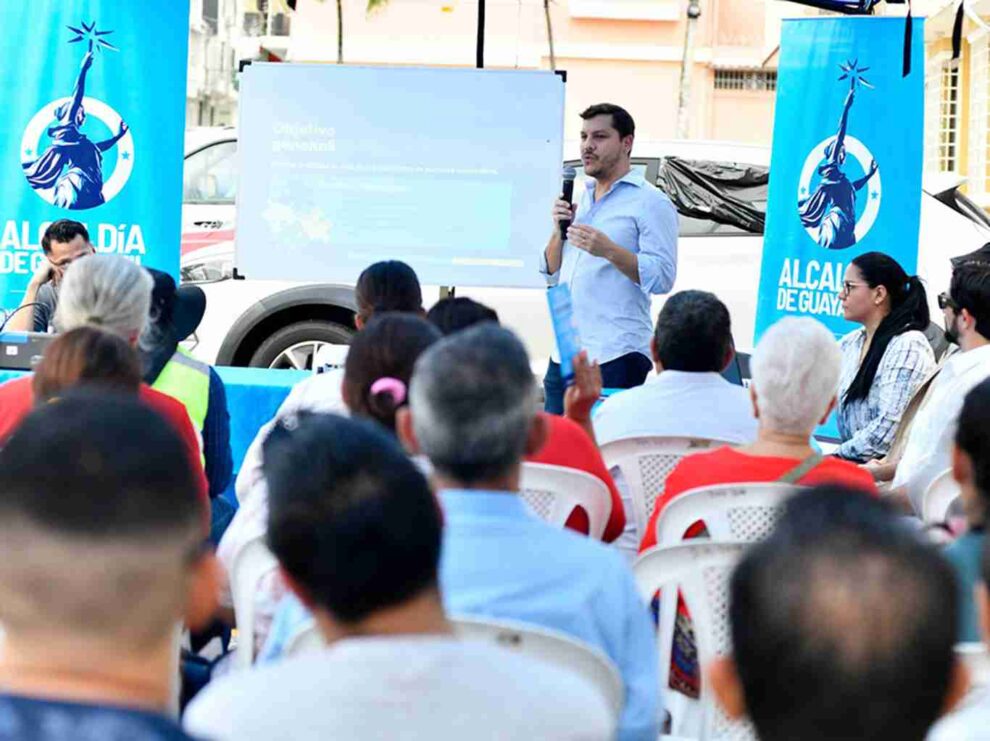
{"x": 253, "y": 395}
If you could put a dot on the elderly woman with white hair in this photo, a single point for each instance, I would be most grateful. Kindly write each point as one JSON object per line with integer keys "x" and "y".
{"x": 795, "y": 370}
{"x": 112, "y": 294}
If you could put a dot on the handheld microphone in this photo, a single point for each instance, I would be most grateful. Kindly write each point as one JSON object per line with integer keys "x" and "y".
{"x": 567, "y": 193}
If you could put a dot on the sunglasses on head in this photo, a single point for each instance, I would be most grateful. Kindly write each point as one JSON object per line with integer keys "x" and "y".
{"x": 945, "y": 302}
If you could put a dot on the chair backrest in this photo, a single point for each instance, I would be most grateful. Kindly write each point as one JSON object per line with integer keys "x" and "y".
{"x": 644, "y": 464}
{"x": 551, "y": 647}
{"x": 743, "y": 513}
{"x": 938, "y": 497}
{"x": 251, "y": 563}
{"x": 306, "y": 640}
{"x": 977, "y": 660}
{"x": 701, "y": 570}
{"x": 553, "y": 492}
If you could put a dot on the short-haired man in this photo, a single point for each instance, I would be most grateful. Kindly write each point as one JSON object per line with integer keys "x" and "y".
{"x": 687, "y": 397}
{"x": 63, "y": 242}
{"x": 472, "y": 412}
{"x": 357, "y": 531}
{"x": 620, "y": 250}
{"x": 843, "y": 624}
{"x": 928, "y": 450}
{"x": 101, "y": 559}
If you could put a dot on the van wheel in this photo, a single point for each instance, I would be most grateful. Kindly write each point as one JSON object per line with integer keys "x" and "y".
{"x": 295, "y": 346}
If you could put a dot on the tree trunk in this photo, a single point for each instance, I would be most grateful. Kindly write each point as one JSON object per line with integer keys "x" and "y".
{"x": 546, "y": 13}
{"x": 340, "y": 31}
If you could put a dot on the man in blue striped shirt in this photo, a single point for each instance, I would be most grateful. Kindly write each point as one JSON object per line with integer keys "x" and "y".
{"x": 620, "y": 250}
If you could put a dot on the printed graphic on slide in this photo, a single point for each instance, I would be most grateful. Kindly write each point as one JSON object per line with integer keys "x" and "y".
{"x": 61, "y": 163}
{"x": 833, "y": 211}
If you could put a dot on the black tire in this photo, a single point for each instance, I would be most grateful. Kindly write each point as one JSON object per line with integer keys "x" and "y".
{"x": 299, "y": 332}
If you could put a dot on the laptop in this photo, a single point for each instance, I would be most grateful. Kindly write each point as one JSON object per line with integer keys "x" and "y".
{"x": 22, "y": 350}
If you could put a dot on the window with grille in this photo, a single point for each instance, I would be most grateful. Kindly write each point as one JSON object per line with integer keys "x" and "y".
{"x": 978, "y": 165}
{"x": 211, "y": 14}
{"x": 947, "y": 153}
{"x": 745, "y": 79}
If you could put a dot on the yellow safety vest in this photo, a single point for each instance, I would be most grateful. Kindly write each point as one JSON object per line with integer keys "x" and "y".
{"x": 187, "y": 380}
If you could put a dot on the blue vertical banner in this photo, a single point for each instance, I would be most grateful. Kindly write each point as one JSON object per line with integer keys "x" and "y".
{"x": 845, "y": 172}
{"x": 93, "y": 122}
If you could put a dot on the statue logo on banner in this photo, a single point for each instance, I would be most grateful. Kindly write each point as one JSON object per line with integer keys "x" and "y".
{"x": 69, "y": 172}
{"x": 831, "y": 208}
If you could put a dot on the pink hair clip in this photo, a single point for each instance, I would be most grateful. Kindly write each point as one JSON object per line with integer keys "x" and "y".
{"x": 392, "y": 386}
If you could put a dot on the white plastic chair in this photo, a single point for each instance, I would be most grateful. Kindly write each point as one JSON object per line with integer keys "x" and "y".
{"x": 938, "y": 497}
{"x": 551, "y": 647}
{"x": 553, "y": 492}
{"x": 701, "y": 570}
{"x": 645, "y": 463}
{"x": 977, "y": 660}
{"x": 252, "y": 562}
{"x": 742, "y": 513}
{"x": 306, "y": 640}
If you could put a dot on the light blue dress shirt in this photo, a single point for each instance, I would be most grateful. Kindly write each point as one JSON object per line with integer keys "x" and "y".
{"x": 500, "y": 561}
{"x": 612, "y": 313}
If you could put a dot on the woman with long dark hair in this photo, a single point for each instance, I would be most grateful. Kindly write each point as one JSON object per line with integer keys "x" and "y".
{"x": 884, "y": 361}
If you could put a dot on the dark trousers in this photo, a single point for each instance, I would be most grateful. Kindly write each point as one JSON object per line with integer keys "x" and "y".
{"x": 622, "y": 373}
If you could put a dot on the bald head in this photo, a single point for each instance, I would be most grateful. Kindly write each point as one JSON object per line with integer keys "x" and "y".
{"x": 843, "y": 624}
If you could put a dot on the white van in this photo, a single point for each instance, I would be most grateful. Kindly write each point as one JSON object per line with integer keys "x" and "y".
{"x": 283, "y": 325}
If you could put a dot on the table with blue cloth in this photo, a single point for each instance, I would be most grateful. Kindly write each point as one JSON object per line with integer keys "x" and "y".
{"x": 253, "y": 396}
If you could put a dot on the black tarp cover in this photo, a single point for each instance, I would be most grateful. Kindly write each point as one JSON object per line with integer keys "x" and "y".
{"x": 727, "y": 194}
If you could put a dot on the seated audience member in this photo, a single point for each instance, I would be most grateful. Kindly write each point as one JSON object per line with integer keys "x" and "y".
{"x": 970, "y": 721}
{"x": 687, "y": 397}
{"x": 928, "y": 450}
{"x": 111, "y": 293}
{"x": 357, "y": 531}
{"x": 884, "y": 362}
{"x": 375, "y": 385}
{"x": 451, "y": 315}
{"x": 472, "y": 412}
{"x": 86, "y": 356}
{"x": 387, "y": 286}
{"x": 101, "y": 558}
{"x": 166, "y": 367}
{"x": 795, "y": 370}
{"x": 570, "y": 438}
{"x": 63, "y": 242}
{"x": 971, "y": 468}
{"x": 843, "y": 624}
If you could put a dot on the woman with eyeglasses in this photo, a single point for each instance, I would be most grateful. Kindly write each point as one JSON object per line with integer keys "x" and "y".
{"x": 884, "y": 361}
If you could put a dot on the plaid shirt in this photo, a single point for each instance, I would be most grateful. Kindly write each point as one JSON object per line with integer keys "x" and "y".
{"x": 868, "y": 426}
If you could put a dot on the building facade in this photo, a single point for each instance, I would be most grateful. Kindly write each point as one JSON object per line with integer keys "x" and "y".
{"x": 957, "y": 97}
{"x": 625, "y": 51}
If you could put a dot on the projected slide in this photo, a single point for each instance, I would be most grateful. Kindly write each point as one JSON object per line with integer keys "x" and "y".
{"x": 450, "y": 170}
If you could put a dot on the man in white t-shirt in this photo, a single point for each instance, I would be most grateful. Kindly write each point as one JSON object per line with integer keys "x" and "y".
{"x": 927, "y": 453}
{"x": 688, "y": 397}
{"x": 357, "y": 532}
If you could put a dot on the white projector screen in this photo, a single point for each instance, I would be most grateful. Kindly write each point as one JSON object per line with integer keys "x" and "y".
{"x": 453, "y": 171}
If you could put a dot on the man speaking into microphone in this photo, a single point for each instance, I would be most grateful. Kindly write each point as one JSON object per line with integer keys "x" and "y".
{"x": 620, "y": 249}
